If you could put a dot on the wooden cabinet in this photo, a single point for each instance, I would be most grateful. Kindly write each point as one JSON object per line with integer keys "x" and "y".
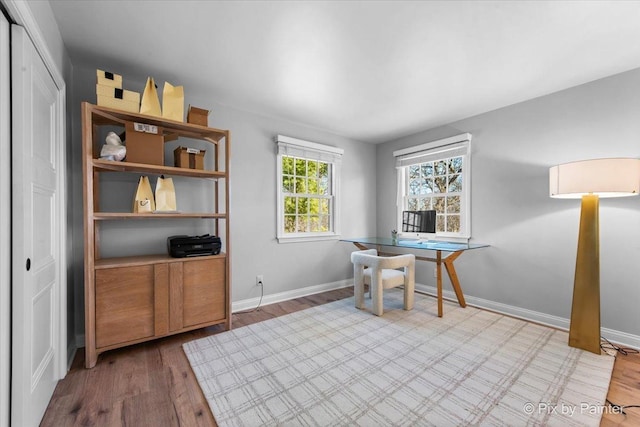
{"x": 125, "y": 305}
{"x": 196, "y": 296}
{"x": 136, "y": 298}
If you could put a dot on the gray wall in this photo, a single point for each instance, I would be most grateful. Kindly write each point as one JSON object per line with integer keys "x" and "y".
{"x": 286, "y": 267}
{"x": 533, "y": 238}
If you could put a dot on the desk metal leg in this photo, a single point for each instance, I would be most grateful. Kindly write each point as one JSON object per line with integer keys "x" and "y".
{"x": 453, "y": 276}
{"x": 439, "y": 280}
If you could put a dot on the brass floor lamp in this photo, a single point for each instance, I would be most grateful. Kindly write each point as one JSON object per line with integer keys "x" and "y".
{"x": 589, "y": 180}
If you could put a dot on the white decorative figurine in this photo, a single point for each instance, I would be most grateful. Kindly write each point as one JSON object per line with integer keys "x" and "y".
{"x": 113, "y": 149}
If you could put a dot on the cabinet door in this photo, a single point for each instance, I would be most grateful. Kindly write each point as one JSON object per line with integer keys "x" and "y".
{"x": 198, "y": 293}
{"x": 124, "y": 304}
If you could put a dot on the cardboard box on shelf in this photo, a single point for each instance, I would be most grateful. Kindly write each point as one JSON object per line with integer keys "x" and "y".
{"x": 190, "y": 158}
{"x": 198, "y": 116}
{"x": 145, "y": 143}
{"x": 118, "y": 99}
{"x": 106, "y": 78}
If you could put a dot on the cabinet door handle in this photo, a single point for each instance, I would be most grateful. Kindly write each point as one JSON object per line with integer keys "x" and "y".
{"x": 28, "y": 264}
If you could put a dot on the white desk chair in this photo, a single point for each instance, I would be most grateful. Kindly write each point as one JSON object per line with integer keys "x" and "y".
{"x": 382, "y": 274}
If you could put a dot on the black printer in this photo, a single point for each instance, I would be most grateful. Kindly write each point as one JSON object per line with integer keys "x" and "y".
{"x": 188, "y": 246}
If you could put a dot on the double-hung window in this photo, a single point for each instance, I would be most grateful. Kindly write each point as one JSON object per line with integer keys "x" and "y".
{"x": 308, "y": 190}
{"x": 436, "y": 176}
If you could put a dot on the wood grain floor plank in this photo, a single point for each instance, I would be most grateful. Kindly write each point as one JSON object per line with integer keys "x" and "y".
{"x": 93, "y": 402}
{"x": 188, "y": 400}
{"x": 624, "y": 389}
{"x": 152, "y": 384}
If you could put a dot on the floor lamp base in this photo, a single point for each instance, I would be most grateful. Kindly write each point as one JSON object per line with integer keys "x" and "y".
{"x": 584, "y": 331}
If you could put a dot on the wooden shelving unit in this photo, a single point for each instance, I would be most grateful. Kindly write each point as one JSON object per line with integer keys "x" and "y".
{"x": 125, "y": 215}
{"x": 133, "y": 299}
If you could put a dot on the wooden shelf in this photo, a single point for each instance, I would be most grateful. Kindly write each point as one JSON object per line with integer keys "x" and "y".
{"x": 109, "y": 116}
{"x": 113, "y": 166}
{"x": 102, "y": 216}
{"x": 132, "y": 261}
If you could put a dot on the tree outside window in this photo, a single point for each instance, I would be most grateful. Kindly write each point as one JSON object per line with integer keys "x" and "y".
{"x": 306, "y": 187}
{"x": 436, "y": 176}
{"x": 437, "y": 185}
{"x": 308, "y": 190}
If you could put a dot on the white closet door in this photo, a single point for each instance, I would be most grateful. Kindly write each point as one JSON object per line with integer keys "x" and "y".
{"x": 5, "y": 224}
{"x": 36, "y": 232}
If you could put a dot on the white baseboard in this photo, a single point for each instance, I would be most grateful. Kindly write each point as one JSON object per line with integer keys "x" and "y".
{"x": 251, "y": 303}
{"x": 621, "y": 338}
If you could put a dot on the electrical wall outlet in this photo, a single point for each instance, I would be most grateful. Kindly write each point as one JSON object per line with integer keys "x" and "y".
{"x": 259, "y": 280}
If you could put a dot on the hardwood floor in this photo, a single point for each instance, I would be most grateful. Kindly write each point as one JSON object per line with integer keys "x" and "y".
{"x": 152, "y": 384}
{"x": 624, "y": 389}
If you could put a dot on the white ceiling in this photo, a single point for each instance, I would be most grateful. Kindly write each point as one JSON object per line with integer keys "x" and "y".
{"x": 373, "y": 71}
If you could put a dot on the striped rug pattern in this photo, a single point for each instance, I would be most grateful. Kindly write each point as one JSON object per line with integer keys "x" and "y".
{"x": 334, "y": 365}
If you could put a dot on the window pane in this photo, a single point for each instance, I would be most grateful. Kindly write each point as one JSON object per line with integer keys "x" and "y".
{"x": 289, "y": 205}
{"x": 302, "y": 224}
{"x": 414, "y": 187}
{"x": 455, "y": 165}
{"x": 426, "y": 169}
{"x": 438, "y": 204}
{"x": 412, "y": 204}
{"x": 289, "y": 224}
{"x": 414, "y": 172}
{"x": 301, "y": 185}
{"x": 324, "y": 206}
{"x": 425, "y": 204}
{"x": 323, "y": 170}
{"x": 455, "y": 184}
{"x": 439, "y": 223}
{"x": 287, "y": 184}
{"x": 440, "y": 184}
{"x": 314, "y": 206}
{"x": 287, "y": 165}
{"x": 453, "y": 223}
{"x": 313, "y": 186}
{"x": 314, "y": 223}
{"x": 312, "y": 169}
{"x": 324, "y": 223}
{"x": 427, "y": 186}
{"x": 323, "y": 186}
{"x": 441, "y": 167}
{"x": 453, "y": 204}
{"x": 301, "y": 167}
{"x": 303, "y": 205}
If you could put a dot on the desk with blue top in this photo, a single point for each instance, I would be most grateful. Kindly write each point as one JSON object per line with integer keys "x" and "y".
{"x": 455, "y": 250}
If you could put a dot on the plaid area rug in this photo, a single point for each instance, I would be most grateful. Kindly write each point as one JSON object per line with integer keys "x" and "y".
{"x": 336, "y": 365}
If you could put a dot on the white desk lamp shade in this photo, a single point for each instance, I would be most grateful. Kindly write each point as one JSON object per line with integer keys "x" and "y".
{"x": 616, "y": 177}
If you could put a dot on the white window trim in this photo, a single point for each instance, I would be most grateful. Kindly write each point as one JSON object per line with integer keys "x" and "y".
{"x": 416, "y": 155}
{"x": 288, "y": 146}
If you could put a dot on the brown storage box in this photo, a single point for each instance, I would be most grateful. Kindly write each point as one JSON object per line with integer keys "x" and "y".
{"x": 190, "y": 158}
{"x": 198, "y": 116}
{"x": 145, "y": 143}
